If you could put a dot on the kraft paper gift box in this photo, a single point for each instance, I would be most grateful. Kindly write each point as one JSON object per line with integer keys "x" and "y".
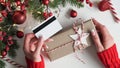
{"x": 63, "y": 43}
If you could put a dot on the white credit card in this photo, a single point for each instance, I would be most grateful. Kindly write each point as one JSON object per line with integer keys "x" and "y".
{"x": 47, "y": 28}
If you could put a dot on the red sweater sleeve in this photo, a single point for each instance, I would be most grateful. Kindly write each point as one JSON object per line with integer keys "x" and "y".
{"x": 31, "y": 64}
{"x": 110, "y": 57}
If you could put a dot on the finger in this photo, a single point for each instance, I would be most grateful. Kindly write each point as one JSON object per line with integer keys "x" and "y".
{"x": 101, "y": 28}
{"x": 45, "y": 46}
{"x": 39, "y": 46}
{"x": 33, "y": 46}
{"x": 27, "y": 39}
{"x": 49, "y": 40}
{"x": 97, "y": 41}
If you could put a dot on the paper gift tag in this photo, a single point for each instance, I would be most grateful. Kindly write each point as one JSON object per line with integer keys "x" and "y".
{"x": 47, "y": 28}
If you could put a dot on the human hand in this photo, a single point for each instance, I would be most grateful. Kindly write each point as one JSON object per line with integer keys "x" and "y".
{"x": 32, "y": 47}
{"x": 102, "y": 38}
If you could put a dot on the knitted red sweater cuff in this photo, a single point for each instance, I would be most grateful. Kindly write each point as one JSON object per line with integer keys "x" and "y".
{"x": 31, "y": 64}
{"x": 110, "y": 57}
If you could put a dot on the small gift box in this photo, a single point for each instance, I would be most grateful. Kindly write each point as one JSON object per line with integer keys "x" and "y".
{"x": 67, "y": 41}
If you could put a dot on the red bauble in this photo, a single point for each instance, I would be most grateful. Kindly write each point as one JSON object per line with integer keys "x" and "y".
{"x": 87, "y": 1}
{"x": 20, "y": 34}
{"x": 45, "y": 2}
{"x": 90, "y": 4}
{"x": 19, "y": 17}
{"x": 104, "y": 5}
{"x": 7, "y": 48}
{"x": 50, "y": 14}
{"x": 45, "y": 14}
{"x": 3, "y": 53}
{"x": 73, "y": 13}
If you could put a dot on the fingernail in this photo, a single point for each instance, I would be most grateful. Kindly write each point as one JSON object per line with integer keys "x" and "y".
{"x": 51, "y": 40}
{"x": 93, "y": 32}
{"x": 43, "y": 49}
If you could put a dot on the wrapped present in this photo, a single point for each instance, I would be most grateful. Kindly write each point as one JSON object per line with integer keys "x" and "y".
{"x": 67, "y": 41}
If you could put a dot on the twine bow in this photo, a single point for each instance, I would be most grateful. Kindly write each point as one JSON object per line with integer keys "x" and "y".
{"x": 80, "y": 39}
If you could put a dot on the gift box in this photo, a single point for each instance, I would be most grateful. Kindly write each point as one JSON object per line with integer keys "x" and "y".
{"x": 63, "y": 44}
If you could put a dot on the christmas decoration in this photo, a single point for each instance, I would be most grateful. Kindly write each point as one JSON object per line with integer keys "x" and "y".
{"x": 59, "y": 48}
{"x": 107, "y": 5}
{"x": 44, "y": 12}
{"x": 8, "y": 45}
{"x": 3, "y": 53}
{"x": 13, "y": 12}
{"x": 80, "y": 38}
{"x": 114, "y": 14}
{"x": 73, "y": 13}
{"x": 19, "y": 17}
{"x": 11, "y": 62}
{"x": 20, "y": 34}
{"x": 45, "y": 2}
{"x": 104, "y": 5}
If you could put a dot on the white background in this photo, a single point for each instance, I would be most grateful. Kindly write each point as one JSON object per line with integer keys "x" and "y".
{"x": 89, "y": 55}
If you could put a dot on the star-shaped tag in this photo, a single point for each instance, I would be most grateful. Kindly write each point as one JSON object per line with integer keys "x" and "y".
{"x": 82, "y": 40}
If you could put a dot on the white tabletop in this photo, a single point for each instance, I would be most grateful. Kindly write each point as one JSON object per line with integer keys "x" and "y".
{"x": 89, "y": 55}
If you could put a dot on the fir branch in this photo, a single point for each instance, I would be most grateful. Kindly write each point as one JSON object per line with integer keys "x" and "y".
{"x": 15, "y": 45}
{"x": 75, "y": 3}
{"x": 36, "y": 7}
{"x": 2, "y": 64}
{"x": 2, "y": 46}
{"x": 12, "y": 52}
{"x": 55, "y": 3}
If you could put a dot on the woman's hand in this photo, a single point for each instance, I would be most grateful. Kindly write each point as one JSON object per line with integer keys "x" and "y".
{"x": 32, "y": 47}
{"x": 102, "y": 38}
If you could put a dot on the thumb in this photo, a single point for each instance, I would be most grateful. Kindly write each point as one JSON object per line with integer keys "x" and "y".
{"x": 97, "y": 41}
{"x": 39, "y": 46}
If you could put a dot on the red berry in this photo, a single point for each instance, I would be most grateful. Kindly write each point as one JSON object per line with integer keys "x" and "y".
{"x": 1, "y": 38}
{"x": 4, "y": 13}
{"x": 4, "y": 34}
{"x": 18, "y": 3}
{"x": 10, "y": 42}
{"x": 20, "y": 34}
{"x": 90, "y": 4}
{"x": 22, "y": 7}
{"x": 1, "y": 19}
{"x": 45, "y": 14}
{"x": 50, "y": 14}
{"x": 87, "y": 1}
{"x": 73, "y": 13}
{"x": 3, "y": 53}
{"x": 7, "y": 48}
{"x": 10, "y": 37}
{"x": 45, "y": 2}
{"x": 104, "y": 5}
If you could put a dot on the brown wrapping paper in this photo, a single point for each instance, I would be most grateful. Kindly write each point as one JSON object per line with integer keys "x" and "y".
{"x": 57, "y": 48}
